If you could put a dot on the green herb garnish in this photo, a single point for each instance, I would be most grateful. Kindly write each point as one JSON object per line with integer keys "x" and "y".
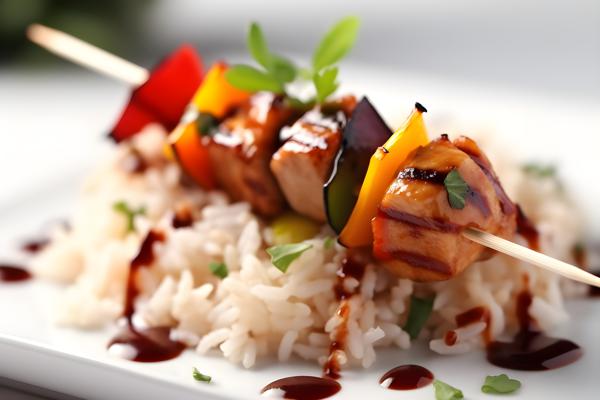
{"x": 540, "y": 170}
{"x": 276, "y": 71}
{"x": 443, "y": 391}
{"x": 206, "y": 123}
{"x": 283, "y": 255}
{"x": 500, "y": 384}
{"x": 218, "y": 269}
{"x": 418, "y": 314}
{"x": 336, "y": 43}
{"x": 329, "y": 242}
{"x": 457, "y": 189}
{"x": 200, "y": 377}
{"x": 129, "y": 213}
{"x": 325, "y": 83}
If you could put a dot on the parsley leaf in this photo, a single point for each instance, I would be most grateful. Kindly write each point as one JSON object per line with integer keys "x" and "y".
{"x": 329, "y": 242}
{"x": 325, "y": 83}
{"x": 500, "y": 384}
{"x": 129, "y": 213}
{"x": 218, "y": 269}
{"x": 418, "y": 314}
{"x": 283, "y": 255}
{"x": 251, "y": 79}
{"x": 336, "y": 43}
{"x": 443, "y": 391}
{"x": 457, "y": 189}
{"x": 200, "y": 377}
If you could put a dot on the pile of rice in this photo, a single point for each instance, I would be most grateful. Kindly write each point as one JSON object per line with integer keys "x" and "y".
{"x": 258, "y": 310}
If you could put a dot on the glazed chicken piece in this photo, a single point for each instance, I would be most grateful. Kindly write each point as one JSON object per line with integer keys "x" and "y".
{"x": 303, "y": 164}
{"x": 418, "y": 234}
{"x": 241, "y": 150}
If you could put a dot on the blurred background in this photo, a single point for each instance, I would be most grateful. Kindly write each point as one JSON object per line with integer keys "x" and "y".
{"x": 542, "y": 45}
{"x": 526, "y": 69}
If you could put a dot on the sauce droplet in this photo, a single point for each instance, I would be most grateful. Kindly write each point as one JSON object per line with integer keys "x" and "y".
{"x": 406, "y": 377}
{"x": 147, "y": 344}
{"x": 34, "y": 246}
{"x": 13, "y": 273}
{"x": 304, "y": 387}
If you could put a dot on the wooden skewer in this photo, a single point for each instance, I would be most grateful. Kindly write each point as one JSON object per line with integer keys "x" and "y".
{"x": 100, "y": 60}
{"x": 532, "y": 257}
{"x": 87, "y": 55}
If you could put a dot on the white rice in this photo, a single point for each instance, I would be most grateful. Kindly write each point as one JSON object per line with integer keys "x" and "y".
{"x": 257, "y": 310}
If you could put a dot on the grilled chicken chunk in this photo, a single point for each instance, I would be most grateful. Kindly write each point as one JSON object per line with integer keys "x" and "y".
{"x": 303, "y": 164}
{"x": 241, "y": 150}
{"x": 418, "y": 234}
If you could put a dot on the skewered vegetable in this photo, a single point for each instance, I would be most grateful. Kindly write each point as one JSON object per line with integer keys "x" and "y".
{"x": 164, "y": 96}
{"x": 381, "y": 172}
{"x": 364, "y": 133}
{"x": 213, "y": 100}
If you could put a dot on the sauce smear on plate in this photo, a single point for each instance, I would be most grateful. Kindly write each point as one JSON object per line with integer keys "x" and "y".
{"x": 406, "y": 377}
{"x": 304, "y": 387}
{"x": 531, "y": 350}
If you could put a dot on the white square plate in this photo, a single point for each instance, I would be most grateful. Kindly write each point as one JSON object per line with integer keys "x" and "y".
{"x": 34, "y": 351}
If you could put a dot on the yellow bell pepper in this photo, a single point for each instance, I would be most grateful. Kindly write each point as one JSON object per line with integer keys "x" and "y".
{"x": 382, "y": 170}
{"x": 215, "y": 97}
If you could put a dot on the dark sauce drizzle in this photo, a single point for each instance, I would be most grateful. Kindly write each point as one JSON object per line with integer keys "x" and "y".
{"x": 406, "y": 377}
{"x": 304, "y": 387}
{"x": 13, "y": 273}
{"x": 182, "y": 219}
{"x": 351, "y": 267}
{"x": 531, "y": 350}
{"x": 150, "y": 344}
{"x": 528, "y": 230}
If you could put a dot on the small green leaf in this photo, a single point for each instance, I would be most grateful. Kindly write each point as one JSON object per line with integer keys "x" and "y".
{"x": 329, "y": 242}
{"x": 257, "y": 44}
{"x": 200, "y": 377}
{"x": 282, "y": 69}
{"x": 500, "y": 384}
{"x": 336, "y": 43}
{"x": 251, "y": 79}
{"x": 218, "y": 269}
{"x": 206, "y": 123}
{"x": 418, "y": 314}
{"x": 443, "y": 391}
{"x": 540, "y": 170}
{"x": 325, "y": 83}
{"x": 457, "y": 189}
{"x": 283, "y": 255}
{"x": 129, "y": 213}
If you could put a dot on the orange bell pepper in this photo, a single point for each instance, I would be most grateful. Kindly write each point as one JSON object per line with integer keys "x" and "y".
{"x": 192, "y": 154}
{"x": 382, "y": 170}
{"x": 215, "y": 97}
